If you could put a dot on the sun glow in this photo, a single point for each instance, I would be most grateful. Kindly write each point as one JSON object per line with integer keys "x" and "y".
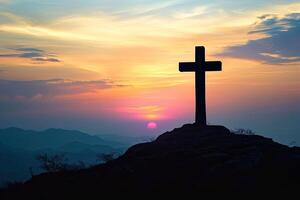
{"x": 151, "y": 125}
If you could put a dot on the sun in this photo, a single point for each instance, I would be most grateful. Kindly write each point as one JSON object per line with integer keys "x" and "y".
{"x": 151, "y": 125}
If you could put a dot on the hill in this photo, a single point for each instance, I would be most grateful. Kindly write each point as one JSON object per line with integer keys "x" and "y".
{"x": 19, "y": 148}
{"x": 50, "y": 138}
{"x": 191, "y": 160}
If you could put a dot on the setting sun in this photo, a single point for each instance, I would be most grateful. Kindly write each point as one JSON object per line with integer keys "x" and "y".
{"x": 152, "y": 125}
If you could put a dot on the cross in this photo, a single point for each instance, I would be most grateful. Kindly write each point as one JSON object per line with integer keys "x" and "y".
{"x": 200, "y": 66}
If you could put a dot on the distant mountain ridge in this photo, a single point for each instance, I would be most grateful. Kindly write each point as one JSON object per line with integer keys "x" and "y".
{"x": 50, "y": 138}
{"x": 79, "y": 146}
{"x": 19, "y": 148}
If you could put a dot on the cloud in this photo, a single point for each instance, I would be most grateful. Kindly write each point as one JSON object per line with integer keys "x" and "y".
{"x": 50, "y": 88}
{"x": 195, "y": 12}
{"x": 31, "y": 53}
{"x": 13, "y": 71}
{"x": 281, "y": 46}
{"x": 46, "y": 59}
{"x": 5, "y": 1}
{"x": 29, "y": 49}
{"x": 118, "y": 28}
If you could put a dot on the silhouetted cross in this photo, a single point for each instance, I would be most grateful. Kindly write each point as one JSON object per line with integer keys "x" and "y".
{"x": 200, "y": 66}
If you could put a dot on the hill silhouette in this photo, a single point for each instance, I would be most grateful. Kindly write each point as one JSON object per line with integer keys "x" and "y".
{"x": 19, "y": 149}
{"x": 191, "y": 160}
{"x": 50, "y": 138}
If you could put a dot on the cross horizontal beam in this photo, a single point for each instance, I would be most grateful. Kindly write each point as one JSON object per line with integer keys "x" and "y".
{"x": 187, "y": 67}
{"x": 209, "y": 66}
{"x": 213, "y": 66}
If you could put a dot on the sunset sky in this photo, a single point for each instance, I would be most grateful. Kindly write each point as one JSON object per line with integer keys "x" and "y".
{"x": 111, "y": 66}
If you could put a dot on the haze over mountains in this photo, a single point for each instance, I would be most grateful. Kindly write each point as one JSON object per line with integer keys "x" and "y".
{"x": 19, "y": 148}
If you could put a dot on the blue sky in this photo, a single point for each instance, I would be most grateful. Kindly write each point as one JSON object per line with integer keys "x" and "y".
{"x": 56, "y": 8}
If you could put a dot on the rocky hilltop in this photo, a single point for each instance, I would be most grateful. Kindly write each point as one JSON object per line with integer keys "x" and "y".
{"x": 191, "y": 160}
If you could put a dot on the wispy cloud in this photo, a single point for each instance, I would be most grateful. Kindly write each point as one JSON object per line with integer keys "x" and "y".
{"x": 153, "y": 8}
{"x": 134, "y": 26}
{"x": 33, "y": 54}
{"x": 50, "y": 88}
{"x": 281, "y": 44}
{"x": 195, "y": 12}
{"x": 5, "y": 1}
{"x": 138, "y": 25}
{"x": 150, "y": 112}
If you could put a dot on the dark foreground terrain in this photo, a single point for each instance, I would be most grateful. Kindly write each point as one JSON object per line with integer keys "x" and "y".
{"x": 201, "y": 161}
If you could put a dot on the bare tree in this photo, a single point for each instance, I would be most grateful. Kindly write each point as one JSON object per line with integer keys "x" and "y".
{"x": 150, "y": 139}
{"x": 106, "y": 157}
{"x": 242, "y": 131}
{"x": 52, "y": 163}
{"x": 76, "y": 166}
{"x": 31, "y": 171}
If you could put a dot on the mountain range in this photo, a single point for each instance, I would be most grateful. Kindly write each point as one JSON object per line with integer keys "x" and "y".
{"x": 19, "y": 149}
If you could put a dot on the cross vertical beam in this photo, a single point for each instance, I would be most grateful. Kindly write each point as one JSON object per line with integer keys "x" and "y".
{"x": 200, "y": 66}
{"x": 200, "y": 115}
